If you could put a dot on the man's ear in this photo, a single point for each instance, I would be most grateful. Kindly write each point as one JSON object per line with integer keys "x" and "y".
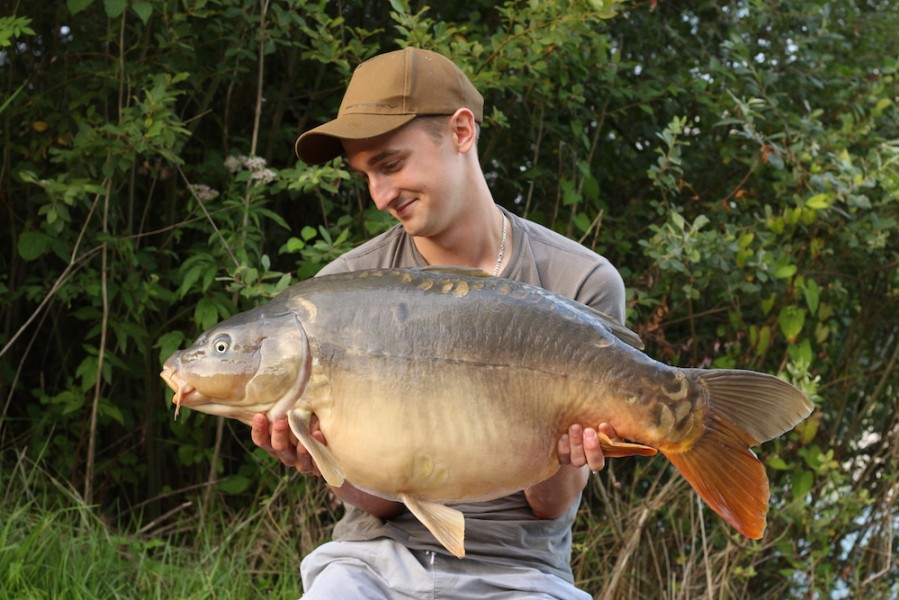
{"x": 464, "y": 130}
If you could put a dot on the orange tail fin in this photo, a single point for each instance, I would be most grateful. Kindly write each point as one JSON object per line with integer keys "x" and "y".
{"x": 745, "y": 409}
{"x": 728, "y": 476}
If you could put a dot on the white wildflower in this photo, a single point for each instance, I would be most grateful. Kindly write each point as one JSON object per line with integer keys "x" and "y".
{"x": 255, "y": 163}
{"x": 203, "y": 192}
{"x": 264, "y": 176}
{"x": 235, "y": 163}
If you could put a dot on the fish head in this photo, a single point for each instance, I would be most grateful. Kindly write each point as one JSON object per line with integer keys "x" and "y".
{"x": 251, "y": 363}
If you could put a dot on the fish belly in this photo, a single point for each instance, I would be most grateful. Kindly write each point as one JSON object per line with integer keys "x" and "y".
{"x": 450, "y": 435}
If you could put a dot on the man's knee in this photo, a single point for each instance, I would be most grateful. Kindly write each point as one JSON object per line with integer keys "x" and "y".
{"x": 371, "y": 570}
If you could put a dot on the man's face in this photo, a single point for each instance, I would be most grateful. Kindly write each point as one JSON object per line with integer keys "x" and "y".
{"x": 411, "y": 175}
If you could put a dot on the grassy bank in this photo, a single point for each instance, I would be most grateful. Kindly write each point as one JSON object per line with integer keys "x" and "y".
{"x": 52, "y": 545}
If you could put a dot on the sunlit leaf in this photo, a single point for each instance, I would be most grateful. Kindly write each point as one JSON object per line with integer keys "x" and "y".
{"x": 818, "y": 201}
{"x": 812, "y": 294}
{"x": 791, "y": 320}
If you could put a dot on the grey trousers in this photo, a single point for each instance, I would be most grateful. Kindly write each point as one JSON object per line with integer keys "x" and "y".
{"x": 383, "y": 569}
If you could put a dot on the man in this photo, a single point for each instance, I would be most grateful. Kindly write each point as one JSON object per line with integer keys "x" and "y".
{"x": 409, "y": 123}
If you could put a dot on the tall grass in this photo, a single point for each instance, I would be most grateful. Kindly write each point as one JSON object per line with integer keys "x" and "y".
{"x": 666, "y": 546}
{"x": 53, "y": 545}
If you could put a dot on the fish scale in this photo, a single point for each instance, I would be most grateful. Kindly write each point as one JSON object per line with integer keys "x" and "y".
{"x": 419, "y": 378}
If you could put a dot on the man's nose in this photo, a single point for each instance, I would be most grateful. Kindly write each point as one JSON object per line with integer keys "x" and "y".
{"x": 382, "y": 192}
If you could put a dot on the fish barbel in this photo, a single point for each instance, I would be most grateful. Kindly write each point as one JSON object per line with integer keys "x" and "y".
{"x": 416, "y": 376}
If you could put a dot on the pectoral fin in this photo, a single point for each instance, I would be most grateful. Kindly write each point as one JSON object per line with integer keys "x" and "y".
{"x": 445, "y": 523}
{"x": 325, "y": 460}
{"x": 613, "y": 449}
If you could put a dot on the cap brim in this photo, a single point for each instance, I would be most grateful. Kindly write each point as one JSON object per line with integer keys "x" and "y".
{"x": 322, "y": 144}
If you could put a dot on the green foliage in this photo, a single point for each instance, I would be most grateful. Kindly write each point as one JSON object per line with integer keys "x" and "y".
{"x": 12, "y": 27}
{"x": 738, "y": 161}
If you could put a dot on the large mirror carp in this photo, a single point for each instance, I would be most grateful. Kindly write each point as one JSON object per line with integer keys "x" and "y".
{"x": 417, "y": 376}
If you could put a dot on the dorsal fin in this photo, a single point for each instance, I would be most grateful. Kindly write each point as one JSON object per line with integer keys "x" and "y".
{"x": 621, "y": 332}
{"x": 611, "y": 323}
{"x": 453, "y": 270}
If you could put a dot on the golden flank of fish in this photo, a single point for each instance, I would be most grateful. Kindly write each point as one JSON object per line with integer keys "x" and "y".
{"x": 418, "y": 375}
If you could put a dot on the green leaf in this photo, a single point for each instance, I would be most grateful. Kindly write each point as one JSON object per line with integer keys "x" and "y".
{"x": 812, "y": 294}
{"x": 168, "y": 343}
{"x": 188, "y": 455}
{"x": 699, "y": 222}
{"x": 87, "y": 372}
{"x": 234, "y": 484}
{"x": 206, "y": 313}
{"x": 33, "y": 244}
{"x": 791, "y": 320}
{"x": 70, "y": 400}
{"x": 776, "y": 462}
{"x": 114, "y": 8}
{"x": 582, "y": 222}
{"x": 784, "y": 271}
{"x": 400, "y": 6}
{"x": 190, "y": 278}
{"x": 76, "y": 6}
{"x": 802, "y": 484}
{"x": 605, "y": 9}
{"x": 764, "y": 340}
{"x": 292, "y": 246}
{"x": 818, "y": 202}
{"x": 801, "y": 353}
{"x": 107, "y": 409}
{"x": 143, "y": 10}
{"x": 591, "y": 188}
{"x": 570, "y": 196}
{"x": 768, "y": 303}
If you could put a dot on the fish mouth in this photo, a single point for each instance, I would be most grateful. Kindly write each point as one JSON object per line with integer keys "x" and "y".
{"x": 180, "y": 387}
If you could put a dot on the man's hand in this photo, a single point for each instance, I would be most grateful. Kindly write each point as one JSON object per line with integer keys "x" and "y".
{"x": 277, "y": 439}
{"x": 578, "y": 447}
{"x": 581, "y": 446}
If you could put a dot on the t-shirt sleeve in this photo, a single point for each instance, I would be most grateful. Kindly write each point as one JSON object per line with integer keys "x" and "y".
{"x": 603, "y": 289}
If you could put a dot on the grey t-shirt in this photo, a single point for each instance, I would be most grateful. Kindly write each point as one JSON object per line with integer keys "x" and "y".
{"x": 504, "y": 530}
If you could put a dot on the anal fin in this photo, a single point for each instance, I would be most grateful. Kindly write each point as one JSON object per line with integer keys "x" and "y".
{"x": 445, "y": 523}
{"x": 325, "y": 460}
{"x": 614, "y": 449}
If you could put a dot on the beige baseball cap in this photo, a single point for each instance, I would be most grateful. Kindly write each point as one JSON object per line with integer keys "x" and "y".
{"x": 386, "y": 92}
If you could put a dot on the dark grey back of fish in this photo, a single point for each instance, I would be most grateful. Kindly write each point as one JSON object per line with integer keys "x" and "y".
{"x": 454, "y": 315}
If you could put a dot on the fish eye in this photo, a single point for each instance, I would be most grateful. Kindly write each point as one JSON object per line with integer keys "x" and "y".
{"x": 221, "y": 344}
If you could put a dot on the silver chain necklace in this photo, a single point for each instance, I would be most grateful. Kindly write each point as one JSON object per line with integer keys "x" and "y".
{"x": 502, "y": 246}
